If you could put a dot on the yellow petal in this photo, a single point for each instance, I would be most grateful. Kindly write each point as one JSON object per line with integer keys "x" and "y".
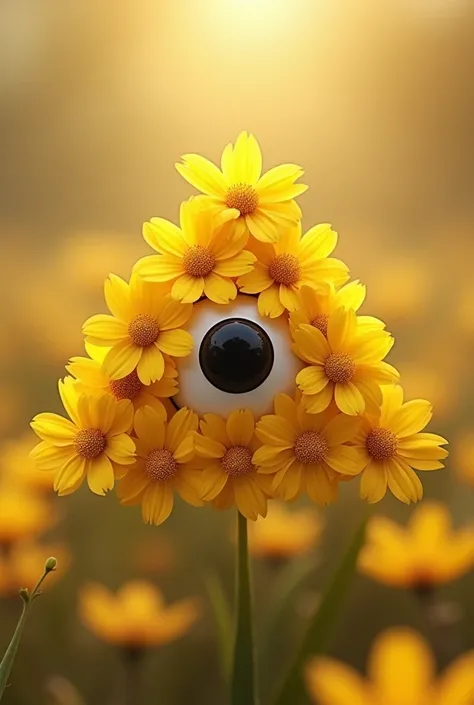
{"x": 333, "y": 683}
{"x": 131, "y": 487}
{"x": 54, "y": 429}
{"x": 214, "y": 426}
{"x": 150, "y": 426}
{"x": 213, "y": 480}
{"x": 173, "y": 314}
{"x": 255, "y": 281}
{"x": 312, "y": 379}
{"x": 48, "y": 457}
{"x": 187, "y": 289}
{"x": 250, "y": 499}
{"x": 117, "y": 296}
{"x": 289, "y": 297}
{"x": 273, "y": 430}
{"x": 219, "y": 290}
{"x": 151, "y": 365}
{"x": 403, "y": 482}
{"x": 320, "y": 488}
{"x": 158, "y": 268}
{"x": 269, "y": 303}
{"x": 317, "y": 243}
{"x": 122, "y": 359}
{"x": 348, "y": 399}
{"x": 207, "y": 447}
{"x": 203, "y": 175}
{"x": 235, "y": 266}
{"x": 121, "y": 449}
{"x": 68, "y": 391}
{"x": 373, "y": 484}
{"x": 100, "y": 474}
{"x": 164, "y": 237}
{"x": 177, "y": 342}
{"x": 70, "y": 476}
{"x": 411, "y": 418}
{"x": 105, "y": 330}
{"x": 123, "y": 420}
{"x": 262, "y": 226}
{"x": 157, "y": 503}
{"x": 342, "y": 326}
{"x": 456, "y": 685}
{"x": 311, "y": 345}
{"x": 247, "y": 159}
{"x": 275, "y": 181}
{"x": 240, "y": 427}
{"x": 178, "y": 428}
{"x": 346, "y": 460}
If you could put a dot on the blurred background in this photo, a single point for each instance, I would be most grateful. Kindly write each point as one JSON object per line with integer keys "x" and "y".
{"x": 97, "y": 101}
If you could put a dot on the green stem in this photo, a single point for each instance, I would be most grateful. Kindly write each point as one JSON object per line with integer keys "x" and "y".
{"x": 320, "y": 629}
{"x": 243, "y": 682}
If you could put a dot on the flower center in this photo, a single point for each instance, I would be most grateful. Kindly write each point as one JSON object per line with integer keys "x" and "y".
{"x": 310, "y": 447}
{"x": 381, "y": 444}
{"x": 126, "y": 388}
{"x": 237, "y": 461}
{"x": 161, "y": 465}
{"x": 198, "y": 261}
{"x": 89, "y": 443}
{"x": 339, "y": 367}
{"x": 243, "y": 197}
{"x": 320, "y": 321}
{"x": 143, "y": 329}
{"x": 285, "y": 269}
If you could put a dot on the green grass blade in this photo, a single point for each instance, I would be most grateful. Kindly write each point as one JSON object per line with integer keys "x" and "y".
{"x": 223, "y": 619}
{"x": 243, "y": 680}
{"x": 321, "y": 628}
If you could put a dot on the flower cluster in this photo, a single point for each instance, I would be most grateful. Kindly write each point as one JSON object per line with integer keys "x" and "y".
{"x": 341, "y": 415}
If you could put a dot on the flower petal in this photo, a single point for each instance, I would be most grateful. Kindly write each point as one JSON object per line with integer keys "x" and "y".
{"x": 173, "y": 314}
{"x": 317, "y": 243}
{"x": 122, "y": 359}
{"x": 158, "y": 268}
{"x": 177, "y": 342}
{"x": 312, "y": 379}
{"x": 178, "y": 428}
{"x": 346, "y": 460}
{"x": 289, "y": 297}
{"x": 157, "y": 503}
{"x": 121, "y": 449}
{"x": 311, "y": 345}
{"x": 348, "y": 399}
{"x": 269, "y": 303}
{"x": 403, "y": 482}
{"x": 373, "y": 484}
{"x": 273, "y": 430}
{"x": 219, "y": 290}
{"x": 235, "y": 266}
{"x": 411, "y": 418}
{"x": 70, "y": 477}
{"x": 203, "y": 175}
{"x": 54, "y": 429}
{"x": 151, "y": 365}
{"x": 207, "y": 447}
{"x": 164, "y": 237}
{"x": 105, "y": 330}
{"x": 117, "y": 297}
{"x": 255, "y": 281}
{"x": 187, "y": 289}
{"x": 240, "y": 427}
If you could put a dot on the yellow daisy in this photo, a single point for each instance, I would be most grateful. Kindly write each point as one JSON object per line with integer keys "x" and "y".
{"x": 261, "y": 205}
{"x": 162, "y": 467}
{"x": 315, "y": 306}
{"x": 144, "y": 325}
{"x": 229, "y": 476}
{"x": 401, "y": 670}
{"x": 93, "y": 444}
{"x": 24, "y": 561}
{"x": 91, "y": 375}
{"x": 427, "y": 553}
{"x": 347, "y": 366}
{"x": 198, "y": 257}
{"x": 393, "y": 444}
{"x": 283, "y": 268}
{"x": 284, "y": 534}
{"x": 136, "y": 617}
{"x": 306, "y": 452}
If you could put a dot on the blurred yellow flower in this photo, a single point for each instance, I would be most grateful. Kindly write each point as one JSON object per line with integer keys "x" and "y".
{"x": 426, "y": 553}
{"x": 23, "y": 563}
{"x": 401, "y": 671}
{"x": 316, "y": 305}
{"x": 394, "y": 447}
{"x": 93, "y": 444}
{"x": 145, "y": 323}
{"x": 17, "y": 467}
{"x": 136, "y": 616}
{"x": 229, "y": 477}
{"x": 199, "y": 258}
{"x": 438, "y": 383}
{"x": 262, "y": 205}
{"x": 162, "y": 466}
{"x": 284, "y": 533}
{"x": 91, "y": 374}
{"x": 347, "y": 367}
{"x": 292, "y": 262}
{"x": 22, "y": 515}
{"x": 463, "y": 456}
{"x": 306, "y": 452}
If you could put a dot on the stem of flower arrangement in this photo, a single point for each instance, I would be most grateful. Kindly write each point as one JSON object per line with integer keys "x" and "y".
{"x": 133, "y": 658}
{"x": 27, "y": 598}
{"x": 243, "y": 682}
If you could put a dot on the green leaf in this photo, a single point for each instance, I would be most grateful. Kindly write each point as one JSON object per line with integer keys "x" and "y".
{"x": 243, "y": 680}
{"x": 223, "y": 619}
{"x": 320, "y": 630}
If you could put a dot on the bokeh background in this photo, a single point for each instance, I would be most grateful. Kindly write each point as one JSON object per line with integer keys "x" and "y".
{"x": 97, "y": 101}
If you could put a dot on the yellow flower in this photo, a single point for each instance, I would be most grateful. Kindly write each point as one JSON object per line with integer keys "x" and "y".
{"x": 93, "y": 444}
{"x": 401, "y": 671}
{"x": 428, "y": 552}
{"x": 164, "y": 452}
{"x": 22, "y": 516}
{"x": 23, "y": 563}
{"x": 199, "y": 258}
{"x": 315, "y": 306}
{"x": 136, "y": 616}
{"x": 294, "y": 261}
{"x": 17, "y": 468}
{"x": 145, "y": 323}
{"x": 347, "y": 366}
{"x": 261, "y": 205}
{"x": 229, "y": 476}
{"x": 306, "y": 452}
{"x": 392, "y": 444}
{"x": 89, "y": 371}
{"x": 284, "y": 533}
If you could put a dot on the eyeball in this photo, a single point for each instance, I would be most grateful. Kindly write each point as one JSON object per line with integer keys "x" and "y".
{"x": 240, "y": 359}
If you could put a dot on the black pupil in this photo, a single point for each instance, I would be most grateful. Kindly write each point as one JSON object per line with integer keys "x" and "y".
{"x": 236, "y": 355}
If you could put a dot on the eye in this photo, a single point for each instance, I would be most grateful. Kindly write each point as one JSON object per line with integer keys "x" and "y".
{"x": 240, "y": 359}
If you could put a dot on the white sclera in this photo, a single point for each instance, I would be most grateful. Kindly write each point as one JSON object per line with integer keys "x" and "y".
{"x": 197, "y": 393}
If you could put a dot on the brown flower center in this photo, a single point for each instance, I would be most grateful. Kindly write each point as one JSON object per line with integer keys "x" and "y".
{"x": 320, "y": 321}
{"x": 143, "y": 330}
{"x": 285, "y": 269}
{"x": 128, "y": 387}
{"x": 310, "y": 447}
{"x": 243, "y": 197}
{"x": 89, "y": 443}
{"x": 339, "y": 367}
{"x": 237, "y": 461}
{"x": 161, "y": 465}
{"x": 198, "y": 261}
{"x": 381, "y": 444}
